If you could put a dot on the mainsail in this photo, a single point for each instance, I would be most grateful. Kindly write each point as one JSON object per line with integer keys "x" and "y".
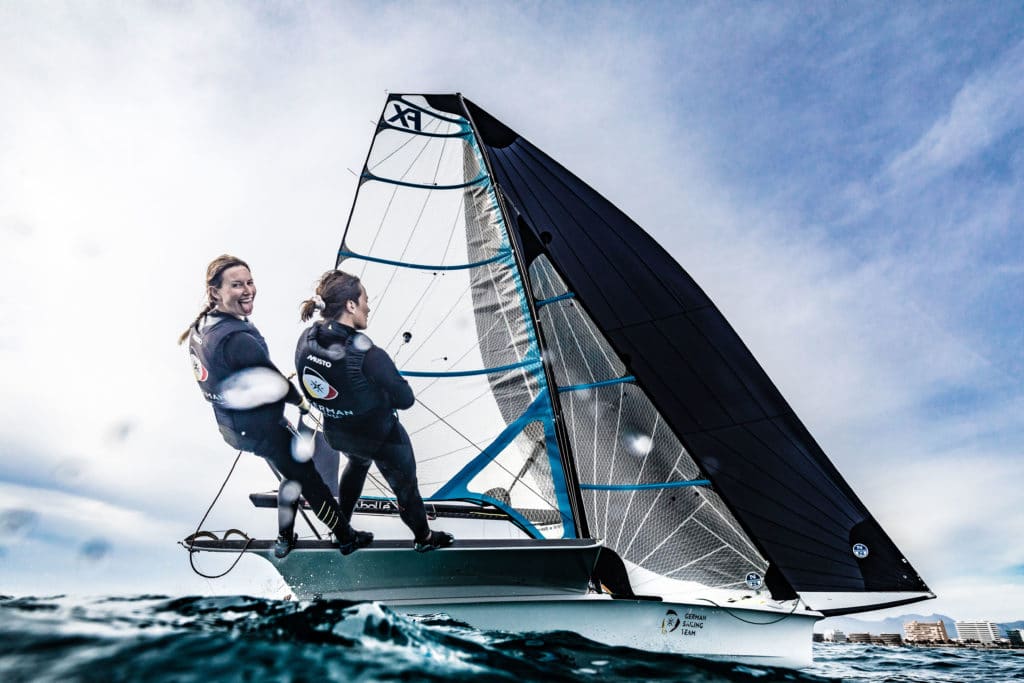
{"x": 569, "y": 371}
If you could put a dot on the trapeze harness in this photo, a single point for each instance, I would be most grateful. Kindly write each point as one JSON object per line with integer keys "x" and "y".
{"x": 242, "y": 429}
{"x": 333, "y": 379}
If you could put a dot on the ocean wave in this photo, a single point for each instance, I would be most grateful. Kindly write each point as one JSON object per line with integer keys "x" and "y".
{"x": 241, "y": 638}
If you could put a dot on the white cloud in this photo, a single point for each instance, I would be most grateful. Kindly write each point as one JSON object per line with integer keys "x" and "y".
{"x": 987, "y": 107}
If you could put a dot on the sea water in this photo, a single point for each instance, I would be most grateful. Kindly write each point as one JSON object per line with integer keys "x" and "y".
{"x": 238, "y": 638}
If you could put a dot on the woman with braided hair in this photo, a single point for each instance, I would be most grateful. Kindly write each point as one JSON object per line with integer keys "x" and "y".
{"x": 226, "y": 351}
{"x": 357, "y": 388}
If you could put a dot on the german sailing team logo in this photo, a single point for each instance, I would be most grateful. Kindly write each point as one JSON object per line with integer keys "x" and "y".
{"x": 317, "y": 385}
{"x": 197, "y": 367}
{"x": 670, "y": 622}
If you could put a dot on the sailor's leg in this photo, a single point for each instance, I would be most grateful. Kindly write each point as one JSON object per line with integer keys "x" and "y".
{"x": 287, "y": 506}
{"x": 396, "y": 462}
{"x": 351, "y": 485}
{"x": 277, "y": 448}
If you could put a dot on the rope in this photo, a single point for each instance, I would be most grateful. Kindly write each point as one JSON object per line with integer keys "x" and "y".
{"x": 796, "y": 603}
{"x": 191, "y": 539}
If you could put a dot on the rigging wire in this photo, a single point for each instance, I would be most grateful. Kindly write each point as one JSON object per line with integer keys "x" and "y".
{"x": 423, "y": 208}
{"x": 787, "y": 615}
{"x": 191, "y": 539}
{"x": 394, "y": 191}
{"x": 369, "y": 474}
{"x": 494, "y": 461}
{"x": 453, "y": 411}
{"x": 416, "y": 308}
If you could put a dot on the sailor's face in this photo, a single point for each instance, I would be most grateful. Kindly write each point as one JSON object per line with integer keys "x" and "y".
{"x": 236, "y": 292}
{"x": 361, "y": 310}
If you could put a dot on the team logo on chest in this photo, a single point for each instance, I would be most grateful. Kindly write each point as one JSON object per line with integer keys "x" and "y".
{"x": 317, "y": 386}
{"x": 197, "y": 367}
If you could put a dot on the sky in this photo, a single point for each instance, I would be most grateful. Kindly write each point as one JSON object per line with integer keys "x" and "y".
{"x": 844, "y": 181}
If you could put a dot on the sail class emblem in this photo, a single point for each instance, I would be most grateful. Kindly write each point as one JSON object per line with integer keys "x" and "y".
{"x": 401, "y": 114}
{"x": 317, "y": 385}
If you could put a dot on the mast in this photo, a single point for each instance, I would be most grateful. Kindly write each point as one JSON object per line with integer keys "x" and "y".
{"x": 564, "y": 448}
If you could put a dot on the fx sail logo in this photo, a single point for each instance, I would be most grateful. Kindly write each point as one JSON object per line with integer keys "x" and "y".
{"x": 317, "y": 386}
{"x": 406, "y": 117}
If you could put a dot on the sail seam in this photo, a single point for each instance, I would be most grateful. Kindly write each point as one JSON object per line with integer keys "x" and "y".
{"x": 782, "y": 484}
{"x": 508, "y": 167}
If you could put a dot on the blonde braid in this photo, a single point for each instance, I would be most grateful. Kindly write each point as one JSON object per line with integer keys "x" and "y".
{"x": 195, "y": 323}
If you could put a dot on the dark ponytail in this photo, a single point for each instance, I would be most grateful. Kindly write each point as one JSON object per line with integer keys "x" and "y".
{"x": 333, "y": 291}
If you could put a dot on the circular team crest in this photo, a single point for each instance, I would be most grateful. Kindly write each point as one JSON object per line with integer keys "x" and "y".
{"x": 754, "y": 581}
{"x": 317, "y": 386}
{"x": 670, "y": 622}
{"x": 197, "y": 367}
{"x": 860, "y": 551}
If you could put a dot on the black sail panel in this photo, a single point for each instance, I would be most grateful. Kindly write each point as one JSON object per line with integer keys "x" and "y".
{"x": 732, "y": 420}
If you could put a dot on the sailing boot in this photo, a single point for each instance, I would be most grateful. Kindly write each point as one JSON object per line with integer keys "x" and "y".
{"x": 285, "y": 544}
{"x": 435, "y": 540}
{"x": 354, "y": 541}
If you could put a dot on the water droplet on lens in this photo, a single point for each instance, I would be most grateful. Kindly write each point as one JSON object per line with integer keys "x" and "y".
{"x": 289, "y": 492}
{"x": 120, "y": 431}
{"x": 638, "y": 444}
{"x": 303, "y": 447}
{"x": 361, "y": 342}
{"x": 69, "y": 472}
{"x": 253, "y": 387}
{"x": 95, "y": 550}
{"x": 16, "y": 523}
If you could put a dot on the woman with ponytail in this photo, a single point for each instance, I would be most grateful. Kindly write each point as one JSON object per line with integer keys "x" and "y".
{"x": 357, "y": 388}
{"x": 232, "y": 365}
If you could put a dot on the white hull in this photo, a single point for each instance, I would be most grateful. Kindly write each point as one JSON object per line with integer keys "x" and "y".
{"x": 680, "y": 628}
{"x": 522, "y": 585}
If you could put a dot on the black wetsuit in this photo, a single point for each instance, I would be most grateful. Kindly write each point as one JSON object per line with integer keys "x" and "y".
{"x": 224, "y": 346}
{"x": 357, "y": 388}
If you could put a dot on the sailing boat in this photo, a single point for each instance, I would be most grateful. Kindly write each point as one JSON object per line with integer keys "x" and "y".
{"x": 610, "y": 455}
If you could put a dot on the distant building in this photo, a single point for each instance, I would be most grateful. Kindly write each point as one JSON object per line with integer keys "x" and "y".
{"x": 980, "y": 631}
{"x": 887, "y": 639}
{"x": 925, "y": 632}
{"x": 1016, "y": 637}
{"x": 835, "y": 636}
{"x": 860, "y": 638}
{"x": 818, "y": 637}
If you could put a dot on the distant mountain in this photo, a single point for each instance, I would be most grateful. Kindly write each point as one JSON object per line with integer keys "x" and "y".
{"x": 895, "y": 624}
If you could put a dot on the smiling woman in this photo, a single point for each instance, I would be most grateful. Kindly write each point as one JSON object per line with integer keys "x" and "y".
{"x": 231, "y": 363}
